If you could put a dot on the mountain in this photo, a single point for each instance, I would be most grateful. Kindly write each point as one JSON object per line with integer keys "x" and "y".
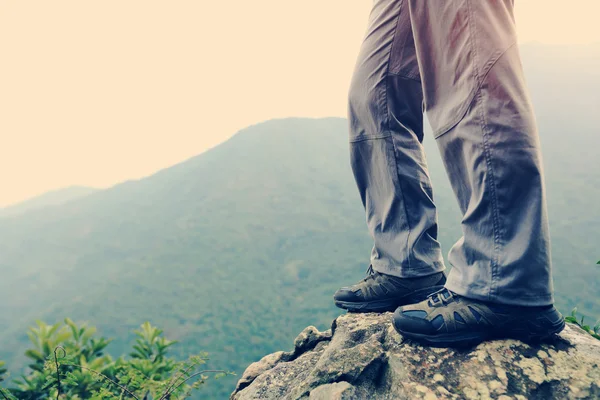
{"x": 52, "y": 198}
{"x": 236, "y": 250}
{"x": 253, "y": 234}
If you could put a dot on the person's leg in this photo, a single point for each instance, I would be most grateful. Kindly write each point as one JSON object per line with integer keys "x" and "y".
{"x": 386, "y": 131}
{"x": 478, "y": 105}
{"x": 479, "y": 108}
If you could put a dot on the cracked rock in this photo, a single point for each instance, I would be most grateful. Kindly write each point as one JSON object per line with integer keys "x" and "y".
{"x": 362, "y": 357}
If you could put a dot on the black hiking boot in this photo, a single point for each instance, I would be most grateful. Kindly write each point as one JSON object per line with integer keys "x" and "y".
{"x": 446, "y": 319}
{"x": 381, "y": 292}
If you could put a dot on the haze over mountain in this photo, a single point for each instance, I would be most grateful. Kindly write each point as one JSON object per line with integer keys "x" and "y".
{"x": 52, "y": 198}
{"x": 236, "y": 250}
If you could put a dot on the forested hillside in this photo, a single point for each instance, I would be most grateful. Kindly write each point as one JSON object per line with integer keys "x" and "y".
{"x": 55, "y": 197}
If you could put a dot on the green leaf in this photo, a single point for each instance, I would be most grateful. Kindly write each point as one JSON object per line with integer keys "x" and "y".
{"x": 8, "y": 395}
{"x": 46, "y": 347}
{"x": 73, "y": 327}
{"x": 89, "y": 332}
{"x": 574, "y": 312}
{"x": 34, "y": 354}
{"x": 2, "y": 371}
{"x": 53, "y": 329}
{"x": 33, "y": 337}
{"x": 62, "y": 337}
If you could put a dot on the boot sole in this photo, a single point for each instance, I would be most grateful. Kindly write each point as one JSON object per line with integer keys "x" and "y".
{"x": 523, "y": 333}
{"x": 390, "y": 304}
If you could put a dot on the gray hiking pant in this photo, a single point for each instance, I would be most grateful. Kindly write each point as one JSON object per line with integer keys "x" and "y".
{"x": 458, "y": 61}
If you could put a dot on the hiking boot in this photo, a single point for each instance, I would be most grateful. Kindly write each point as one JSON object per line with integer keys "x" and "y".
{"x": 447, "y": 319}
{"x": 381, "y": 292}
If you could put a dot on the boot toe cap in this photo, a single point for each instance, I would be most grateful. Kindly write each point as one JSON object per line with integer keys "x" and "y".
{"x": 348, "y": 294}
{"x": 412, "y": 321}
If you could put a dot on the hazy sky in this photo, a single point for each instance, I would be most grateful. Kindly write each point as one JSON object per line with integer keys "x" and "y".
{"x": 97, "y": 92}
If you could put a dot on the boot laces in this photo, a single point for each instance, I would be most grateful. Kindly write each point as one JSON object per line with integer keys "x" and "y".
{"x": 371, "y": 273}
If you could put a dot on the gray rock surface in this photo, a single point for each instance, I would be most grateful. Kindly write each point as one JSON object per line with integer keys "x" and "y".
{"x": 362, "y": 357}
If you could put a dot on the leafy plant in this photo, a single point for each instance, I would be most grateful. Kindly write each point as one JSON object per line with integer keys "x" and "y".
{"x": 2, "y": 371}
{"x": 594, "y": 331}
{"x": 68, "y": 363}
{"x": 4, "y": 394}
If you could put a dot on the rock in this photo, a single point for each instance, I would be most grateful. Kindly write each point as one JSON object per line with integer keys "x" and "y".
{"x": 333, "y": 391}
{"x": 304, "y": 343}
{"x": 362, "y": 357}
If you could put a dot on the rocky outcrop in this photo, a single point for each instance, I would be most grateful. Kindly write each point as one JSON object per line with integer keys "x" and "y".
{"x": 362, "y": 357}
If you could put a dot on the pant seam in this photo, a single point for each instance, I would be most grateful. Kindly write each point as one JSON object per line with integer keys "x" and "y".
{"x": 488, "y": 160}
{"x": 479, "y": 80}
{"x": 387, "y": 122}
{"x": 413, "y": 77}
{"x": 404, "y": 41}
{"x": 364, "y": 138}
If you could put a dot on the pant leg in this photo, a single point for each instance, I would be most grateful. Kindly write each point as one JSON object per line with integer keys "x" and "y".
{"x": 483, "y": 121}
{"x": 385, "y": 112}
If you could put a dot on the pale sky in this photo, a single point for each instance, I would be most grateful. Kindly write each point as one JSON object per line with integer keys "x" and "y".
{"x": 97, "y": 92}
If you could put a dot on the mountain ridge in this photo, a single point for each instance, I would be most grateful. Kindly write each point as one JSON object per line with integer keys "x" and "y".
{"x": 51, "y": 198}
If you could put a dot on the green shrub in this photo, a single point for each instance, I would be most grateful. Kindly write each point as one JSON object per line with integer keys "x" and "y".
{"x": 2, "y": 371}
{"x": 594, "y": 331}
{"x": 68, "y": 362}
